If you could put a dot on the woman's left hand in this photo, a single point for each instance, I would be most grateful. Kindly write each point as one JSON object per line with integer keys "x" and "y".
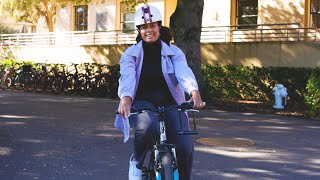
{"x": 197, "y": 101}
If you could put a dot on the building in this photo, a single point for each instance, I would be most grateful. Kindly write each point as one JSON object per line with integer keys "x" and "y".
{"x": 224, "y": 21}
{"x": 116, "y": 15}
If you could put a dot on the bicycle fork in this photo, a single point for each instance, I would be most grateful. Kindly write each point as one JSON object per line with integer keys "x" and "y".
{"x": 163, "y": 148}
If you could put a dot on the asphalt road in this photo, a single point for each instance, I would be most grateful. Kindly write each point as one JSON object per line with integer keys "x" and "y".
{"x": 45, "y": 136}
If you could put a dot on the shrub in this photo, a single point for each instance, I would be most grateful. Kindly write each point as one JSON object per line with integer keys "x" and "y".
{"x": 233, "y": 82}
{"x": 312, "y": 96}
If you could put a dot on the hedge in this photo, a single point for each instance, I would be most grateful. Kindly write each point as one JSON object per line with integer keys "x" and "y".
{"x": 251, "y": 83}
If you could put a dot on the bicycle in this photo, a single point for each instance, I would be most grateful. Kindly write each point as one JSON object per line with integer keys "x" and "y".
{"x": 160, "y": 162}
{"x": 43, "y": 80}
{"x": 72, "y": 83}
{"x": 6, "y": 76}
{"x": 24, "y": 79}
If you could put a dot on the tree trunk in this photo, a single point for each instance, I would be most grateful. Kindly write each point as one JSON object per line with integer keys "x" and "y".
{"x": 49, "y": 20}
{"x": 186, "y": 23}
{"x": 48, "y": 13}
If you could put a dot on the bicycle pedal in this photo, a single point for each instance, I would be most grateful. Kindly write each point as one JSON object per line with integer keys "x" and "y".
{"x": 144, "y": 172}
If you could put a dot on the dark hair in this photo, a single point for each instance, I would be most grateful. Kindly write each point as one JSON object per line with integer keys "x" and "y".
{"x": 166, "y": 35}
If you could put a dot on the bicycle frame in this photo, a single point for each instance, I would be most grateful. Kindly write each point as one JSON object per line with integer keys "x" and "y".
{"x": 162, "y": 148}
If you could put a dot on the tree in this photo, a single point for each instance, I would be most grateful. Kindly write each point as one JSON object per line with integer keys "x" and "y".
{"x": 31, "y": 10}
{"x": 186, "y": 23}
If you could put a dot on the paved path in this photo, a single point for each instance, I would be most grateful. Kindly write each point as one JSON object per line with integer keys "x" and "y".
{"x": 43, "y": 136}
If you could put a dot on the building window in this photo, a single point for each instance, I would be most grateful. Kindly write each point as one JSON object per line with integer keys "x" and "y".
{"x": 315, "y": 13}
{"x": 81, "y": 18}
{"x": 247, "y": 14}
{"x": 127, "y": 17}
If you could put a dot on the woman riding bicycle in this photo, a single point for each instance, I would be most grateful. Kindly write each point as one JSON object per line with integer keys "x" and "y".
{"x": 155, "y": 74}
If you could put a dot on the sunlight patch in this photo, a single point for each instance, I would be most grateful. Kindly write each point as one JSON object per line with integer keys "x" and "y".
{"x": 5, "y": 151}
{"x": 312, "y": 127}
{"x": 234, "y": 154}
{"x": 226, "y": 142}
{"x": 254, "y": 170}
{"x": 32, "y": 140}
{"x": 15, "y": 116}
{"x": 315, "y": 161}
{"x": 276, "y": 127}
{"x": 110, "y": 135}
{"x": 12, "y": 123}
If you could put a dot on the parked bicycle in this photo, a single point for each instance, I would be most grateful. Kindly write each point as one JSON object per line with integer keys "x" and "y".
{"x": 82, "y": 79}
{"x": 24, "y": 79}
{"x": 6, "y": 76}
{"x": 43, "y": 80}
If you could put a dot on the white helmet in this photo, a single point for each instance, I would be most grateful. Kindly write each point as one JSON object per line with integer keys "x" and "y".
{"x": 146, "y": 14}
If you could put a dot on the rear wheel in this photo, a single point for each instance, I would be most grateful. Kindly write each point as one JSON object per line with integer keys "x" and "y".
{"x": 48, "y": 84}
{"x": 56, "y": 85}
{"x": 29, "y": 82}
{"x": 18, "y": 81}
{"x": 102, "y": 86}
{"x": 5, "y": 80}
{"x": 39, "y": 83}
{"x": 69, "y": 84}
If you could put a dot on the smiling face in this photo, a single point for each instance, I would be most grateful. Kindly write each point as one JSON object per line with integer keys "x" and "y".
{"x": 150, "y": 32}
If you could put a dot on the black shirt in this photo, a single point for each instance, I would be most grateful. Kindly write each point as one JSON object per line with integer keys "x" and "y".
{"x": 152, "y": 85}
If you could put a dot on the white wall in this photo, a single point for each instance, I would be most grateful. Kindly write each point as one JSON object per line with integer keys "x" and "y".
{"x": 63, "y": 19}
{"x": 216, "y": 13}
{"x": 108, "y": 8}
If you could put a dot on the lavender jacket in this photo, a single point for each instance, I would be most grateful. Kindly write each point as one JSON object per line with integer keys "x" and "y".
{"x": 177, "y": 74}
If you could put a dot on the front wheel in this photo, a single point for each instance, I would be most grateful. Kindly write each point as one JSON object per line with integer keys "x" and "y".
{"x": 166, "y": 167}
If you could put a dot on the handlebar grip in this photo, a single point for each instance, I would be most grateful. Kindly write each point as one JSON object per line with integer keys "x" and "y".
{"x": 186, "y": 105}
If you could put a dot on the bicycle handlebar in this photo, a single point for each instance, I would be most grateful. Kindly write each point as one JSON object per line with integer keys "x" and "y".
{"x": 184, "y": 107}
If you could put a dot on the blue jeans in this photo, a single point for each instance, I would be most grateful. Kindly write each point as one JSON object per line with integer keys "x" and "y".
{"x": 146, "y": 133}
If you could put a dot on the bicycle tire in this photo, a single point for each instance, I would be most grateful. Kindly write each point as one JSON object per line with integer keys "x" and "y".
{"x": 39, "y": 83}
{"x": 84, "y": 84}
{"x": 5, "y": 82}
{"x": 56, "y": 85}
{"x": 166, "y": 167}
{"x": 29, "y": 82}
{"x": 2, "y": 74}
{"x": 18, "y": 81}
{"x": 102, "y": 88}
{"x": 68, "y": 84}
{"x": 48, "y": 84}
{"x": 93, "y": 90}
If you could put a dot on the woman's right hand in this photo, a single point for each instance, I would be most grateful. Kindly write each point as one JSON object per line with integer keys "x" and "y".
{"x": 125, "y": 106}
